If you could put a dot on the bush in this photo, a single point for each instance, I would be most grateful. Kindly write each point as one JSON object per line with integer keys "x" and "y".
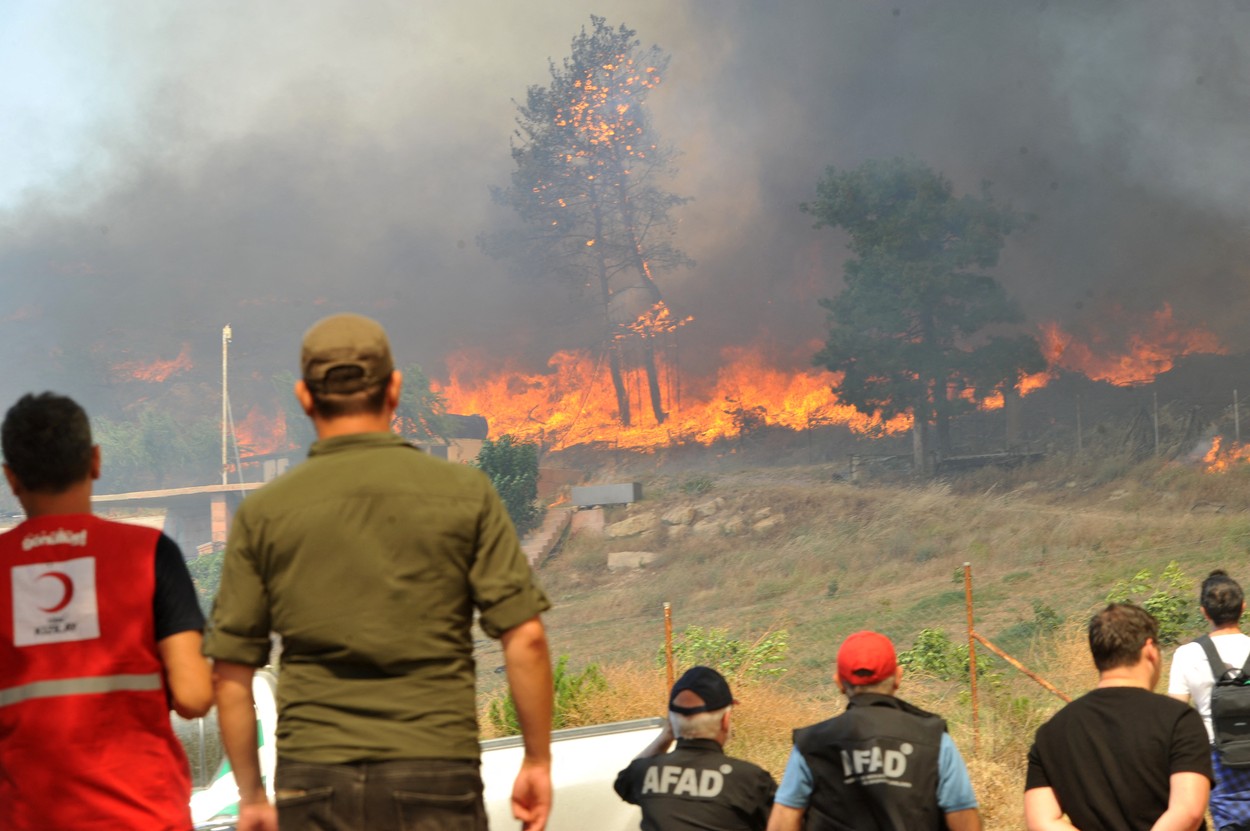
{"x": 730, "y": 657}
{"x": 935, "y": 654}
{"x": 572, "y": 689}
{"x": 1169, "y": 598}
{"x": 512, "y": 466}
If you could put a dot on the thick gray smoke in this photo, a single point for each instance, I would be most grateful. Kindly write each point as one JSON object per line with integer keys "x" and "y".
{"x": 265, "y": 164}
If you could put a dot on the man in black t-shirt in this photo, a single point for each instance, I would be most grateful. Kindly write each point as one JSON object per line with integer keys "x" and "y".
{"x": 1120, "y": 758}
{"x": 697, "y": 787}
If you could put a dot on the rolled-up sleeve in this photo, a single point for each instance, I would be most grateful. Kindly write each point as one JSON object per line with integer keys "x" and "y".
{"x": 240, "y": 624}
{"x": 504, "y": 590}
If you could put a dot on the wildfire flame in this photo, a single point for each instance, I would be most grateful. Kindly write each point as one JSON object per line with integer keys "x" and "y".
{"x": 259, "y": 433}
{"x": 155, "y": 371}
{"x": 1150, "y": 350}
{"x": 574, "y": 403}
{"x": 1218, "y": 459}
{"x": 657, "y": 320}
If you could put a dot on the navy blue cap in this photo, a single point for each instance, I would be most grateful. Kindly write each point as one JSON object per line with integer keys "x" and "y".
{"x": 706, "y": 683}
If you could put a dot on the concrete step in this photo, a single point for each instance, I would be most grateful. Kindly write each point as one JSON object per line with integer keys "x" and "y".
{"x": 538, "y": 544}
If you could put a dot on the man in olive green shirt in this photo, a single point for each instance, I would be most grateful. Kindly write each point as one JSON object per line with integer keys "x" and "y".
{"x": 369, "y": 560}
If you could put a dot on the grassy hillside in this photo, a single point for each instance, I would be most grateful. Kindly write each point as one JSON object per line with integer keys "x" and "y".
{"x": 1046, "y": 543}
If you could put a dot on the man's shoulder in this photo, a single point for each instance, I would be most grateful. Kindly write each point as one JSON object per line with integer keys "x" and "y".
{"x": 740, "y": 765}
{"x": 1108, "y": 704}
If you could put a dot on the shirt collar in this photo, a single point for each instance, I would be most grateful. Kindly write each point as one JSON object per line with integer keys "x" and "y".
{"x": 356, "y": 441}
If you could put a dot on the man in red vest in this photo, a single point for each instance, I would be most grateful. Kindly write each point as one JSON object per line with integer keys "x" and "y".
{"x": 100, "y": 636}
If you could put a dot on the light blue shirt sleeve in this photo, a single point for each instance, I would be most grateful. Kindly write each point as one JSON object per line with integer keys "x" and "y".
{"x": 795, "y": 790}
{"x": 954, "y": 791}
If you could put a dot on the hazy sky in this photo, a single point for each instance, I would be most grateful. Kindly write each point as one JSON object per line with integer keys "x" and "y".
{"x": 173, "y": 167}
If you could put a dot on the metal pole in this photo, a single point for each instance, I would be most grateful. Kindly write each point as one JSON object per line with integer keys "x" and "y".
{"x": 1155, "y": 396}
{"x": 1079, "y": 448}
{"x": 1039, "y": 679}
{"x": 972, "y": 661}
{"x": 668, "y": 642}
{"x": 225, "y": 398}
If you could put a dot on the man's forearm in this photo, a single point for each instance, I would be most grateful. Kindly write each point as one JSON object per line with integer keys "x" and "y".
{"x": 1042, "y": 811}
{"x": 1187, "y": 803}
{"x": 785, "y": 818}
{"x": 528, "y": 664}
{"x": 236, "y": 717}
{"x": 966, "y": 820}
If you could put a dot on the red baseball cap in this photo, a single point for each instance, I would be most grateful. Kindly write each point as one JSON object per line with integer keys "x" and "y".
{"x": 866, "y": 658}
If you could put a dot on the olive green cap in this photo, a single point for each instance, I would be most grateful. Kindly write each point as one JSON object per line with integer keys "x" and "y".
{"x": 345, "y": 353}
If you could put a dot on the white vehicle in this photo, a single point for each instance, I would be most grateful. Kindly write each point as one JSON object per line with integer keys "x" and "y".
{"x": 584, "y": 764}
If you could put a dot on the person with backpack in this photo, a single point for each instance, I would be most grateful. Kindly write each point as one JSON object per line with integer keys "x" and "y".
{"x": 1221, "y": 654}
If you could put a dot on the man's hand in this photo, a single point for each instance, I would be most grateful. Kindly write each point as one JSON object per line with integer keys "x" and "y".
{"x": 257, "y": 816}
{"x": 531, "y": 796}
{"x": 528, "y": 665}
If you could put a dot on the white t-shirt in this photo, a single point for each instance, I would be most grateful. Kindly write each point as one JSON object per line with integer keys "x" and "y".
{"x": 1191, "y": 671}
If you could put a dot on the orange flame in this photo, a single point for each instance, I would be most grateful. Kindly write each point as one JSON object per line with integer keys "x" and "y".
{"x": 1148, "y": 352}
{"x": 155, "y": 371}
{"x": 657, "y": 320}
{"x": 260, "y": 433}
{"x": 574, "y": 402}
{"x": 1218, "y": 460}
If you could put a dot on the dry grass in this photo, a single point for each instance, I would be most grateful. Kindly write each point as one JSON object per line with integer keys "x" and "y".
{"x": 887, "y": 557}
{"x": 1011, "y": 708}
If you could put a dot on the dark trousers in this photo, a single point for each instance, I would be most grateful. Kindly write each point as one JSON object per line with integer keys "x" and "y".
{"x": 408, "y": 795}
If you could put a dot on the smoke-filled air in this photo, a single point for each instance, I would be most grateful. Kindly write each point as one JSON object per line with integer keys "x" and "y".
{"x": 172, "y": 168}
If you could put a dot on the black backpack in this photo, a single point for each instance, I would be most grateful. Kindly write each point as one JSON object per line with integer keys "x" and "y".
{"x": 1230, "y": 707}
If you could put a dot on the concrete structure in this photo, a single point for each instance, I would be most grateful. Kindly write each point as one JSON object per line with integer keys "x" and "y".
{"x": 625, "y": 493}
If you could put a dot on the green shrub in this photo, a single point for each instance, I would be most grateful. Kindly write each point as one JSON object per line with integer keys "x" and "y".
{"x": 935, "y": 654}
{"x": 731, "y": 657}
{"x": 1170, "y": 598}
{"x": 696, "y": 485}
{"x": 512, "y": 466}
{"x": 571, "y": 690}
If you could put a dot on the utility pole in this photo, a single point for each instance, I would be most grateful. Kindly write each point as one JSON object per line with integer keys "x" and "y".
{"x": 225, "y": 398}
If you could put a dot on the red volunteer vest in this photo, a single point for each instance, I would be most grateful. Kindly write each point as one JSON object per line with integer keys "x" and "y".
{"x": 85, "y": 737}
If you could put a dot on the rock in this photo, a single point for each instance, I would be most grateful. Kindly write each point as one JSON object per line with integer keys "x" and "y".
{"x": 706, "y": 509}
{"x": 677, "y": 532}
{"x": 1206, "y": 508}
{"x": 707, "y": 527}
{"x": 622, "y": 560}
{"x": 679, "y": 516}
{"x": 734, "y": 525}
{"x": 631, "y": 526}
{"x": 762, "y": 513}
{"x": 767, "y": 524}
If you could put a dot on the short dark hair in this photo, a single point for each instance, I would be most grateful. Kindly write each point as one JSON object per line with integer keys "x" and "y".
{"x": 1222, "y": 598}
{"x": 369, "y": 400}
{"x": 47, "y": 442}
{"x": 1118, "y": 633}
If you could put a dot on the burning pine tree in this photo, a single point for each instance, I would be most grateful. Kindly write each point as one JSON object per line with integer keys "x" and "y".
{"x": 587, "y": 188}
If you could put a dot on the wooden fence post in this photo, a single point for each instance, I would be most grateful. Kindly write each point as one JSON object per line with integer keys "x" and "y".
{"x": 668, "y": 642}
{"x": 972, "y": 661}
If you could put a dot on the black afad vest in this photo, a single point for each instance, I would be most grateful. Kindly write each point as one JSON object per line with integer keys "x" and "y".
{"x": 874, "y": 768}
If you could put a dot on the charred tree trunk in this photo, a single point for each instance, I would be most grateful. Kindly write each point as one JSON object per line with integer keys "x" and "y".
{"x": 653, "y": 380}
{"x": 656, "y": 296}
{"x": 614, "y": 354}
{"x": 618, "y": 383}
{"x": 920, "y": 446}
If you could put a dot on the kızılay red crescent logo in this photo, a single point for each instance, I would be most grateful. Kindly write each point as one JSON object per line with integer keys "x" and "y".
{"x": 67, "y": 584}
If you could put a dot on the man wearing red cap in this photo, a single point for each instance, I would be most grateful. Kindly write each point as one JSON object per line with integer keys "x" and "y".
{"x": 883, "y": 765}
{"x": 697, "y": 786}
